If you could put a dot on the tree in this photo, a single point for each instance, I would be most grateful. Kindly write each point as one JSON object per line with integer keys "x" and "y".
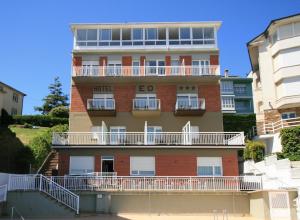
{"x": 55, "y": 98}
{"x": 255, "y": 150}
{"x": 290, "y": 141}
{"x": 59, "y": 112}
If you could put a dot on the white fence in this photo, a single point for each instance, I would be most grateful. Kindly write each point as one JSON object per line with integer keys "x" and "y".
{"x": 146, "y": 70}
{"x": 101, "y": 104}
{"x": 44, "y": 185}
{"x": 146, "y": 104}
{"x": 3, "y": 193}
{"x": 149, "y": 138}
{"x": 275, "y": 127}
{"x": 190, "y": 103}
{"x": 159, "y": 183}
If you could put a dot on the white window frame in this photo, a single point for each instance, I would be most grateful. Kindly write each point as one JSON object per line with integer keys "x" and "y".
{"x": 78, "y": 158}
{"x": 288, "y": 115}
{"x": 147, "y": 97}
{"x": 226, "y": 104}
{"x": 143, "y": 161}
{"x": 189, "y": 95}
{"x": 227, "y": 87}
{"x": 154, "y": 136}
{"x": 121, "y": 137}
{"x": 212, "y": 162}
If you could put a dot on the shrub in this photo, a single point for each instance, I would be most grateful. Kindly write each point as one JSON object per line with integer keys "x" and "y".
{"x": 290, "y": 141}
{"x": 59, "y": 112}
{"x": 26, "y": 125}
{"x": 239, "y": 122}
{"x": 255, "y": 150}
{"x": 39, "y": 120}
{"x": 41, "y": 145}
{"x": 6, "y": 119}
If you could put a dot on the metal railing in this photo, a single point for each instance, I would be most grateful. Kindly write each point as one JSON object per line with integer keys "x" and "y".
{"x": 275, "y": 127}
{"x": 15, "y": 214}
{"x": 160, "y": 183}
{"x": 101, "y": 104}
{"x": 146, "y": 104}
{"x": 44, "y": 185}
{"x": 149, "y": 138}
{"x": 3, "y": 193}
{"x": 119, "y": 70}
{"x": 190, "y": 104}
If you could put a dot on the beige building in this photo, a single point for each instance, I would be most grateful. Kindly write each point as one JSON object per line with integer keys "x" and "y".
{"x": 274, "y": 56}
{"x": 11, "y": 99}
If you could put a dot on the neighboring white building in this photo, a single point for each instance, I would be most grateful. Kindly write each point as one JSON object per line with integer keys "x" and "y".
{"x": 11, "y": 99}
{"x": 274, "y": 56}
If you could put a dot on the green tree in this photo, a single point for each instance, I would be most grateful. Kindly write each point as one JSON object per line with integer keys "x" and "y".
{"x": 255, "y": 150}
{"x": 54, "y": 99}
{"x": 59, "y": 112}
{"x": 290, "y": 141}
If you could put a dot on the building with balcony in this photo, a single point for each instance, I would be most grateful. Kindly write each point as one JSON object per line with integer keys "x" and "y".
{"x": 145, "y": 101}
{"x": 11, "y": 99}
{"x": 236, "y": 95}
{"x": 274, "y": 56}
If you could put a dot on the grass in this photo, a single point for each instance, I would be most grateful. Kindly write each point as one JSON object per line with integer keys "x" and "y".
{"x": 25, "y": 135}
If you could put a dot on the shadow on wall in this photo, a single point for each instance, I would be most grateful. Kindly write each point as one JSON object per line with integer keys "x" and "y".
{"x": 15, "y": 157}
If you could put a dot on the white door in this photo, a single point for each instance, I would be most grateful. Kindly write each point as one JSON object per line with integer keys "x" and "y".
{"x": 279, "y": 206}
{"x": 186, "y": 133}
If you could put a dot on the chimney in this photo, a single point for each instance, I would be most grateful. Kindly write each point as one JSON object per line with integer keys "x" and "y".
{"x": 226, "y": 73}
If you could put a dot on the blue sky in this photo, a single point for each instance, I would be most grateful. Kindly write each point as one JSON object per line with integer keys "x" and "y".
{"x": 36, "y": 40}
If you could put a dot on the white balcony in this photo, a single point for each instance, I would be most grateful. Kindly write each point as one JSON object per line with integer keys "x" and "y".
{"x": 136, "y": 71}
{"x": 101, "y": 106}
{"x": 146, "y": 139}
{"x": 146, "y": 107}
{"x": 190, "y": 106}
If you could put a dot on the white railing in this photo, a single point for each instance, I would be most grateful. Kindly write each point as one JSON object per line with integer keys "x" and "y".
{"x": 161, "y": 183}
{"x": 3, "y": 193}
{"x": 146, "y": 104}
{"x": 275, "y": 127}
{"x": 101, "y": 104}
{"x": 99, "y": 174}
{"x": 190, "y": 104}
{"x": 146, "y": 70}
{"x": 44, "y": 185}
{"x": 149, "y": 138}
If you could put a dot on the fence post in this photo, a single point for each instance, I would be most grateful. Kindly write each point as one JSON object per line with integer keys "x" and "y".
{"x": 77, "y": 209}
{"x": 9, "y": 182}
{"x": 40, "y": 183}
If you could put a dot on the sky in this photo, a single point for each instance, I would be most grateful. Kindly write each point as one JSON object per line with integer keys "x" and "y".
{"x": 36, "y": 41}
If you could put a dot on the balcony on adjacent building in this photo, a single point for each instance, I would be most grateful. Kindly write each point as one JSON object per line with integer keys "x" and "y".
{"x": 146, "y": 106}
{"x": 189, "y": 106}
{"x": 101, "y": 107}
{"x": 149, "y": 139}
{"x": 137, "y": 71}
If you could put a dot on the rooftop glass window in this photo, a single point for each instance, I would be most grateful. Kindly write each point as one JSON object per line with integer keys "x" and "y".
{"x": 87, "y": 37}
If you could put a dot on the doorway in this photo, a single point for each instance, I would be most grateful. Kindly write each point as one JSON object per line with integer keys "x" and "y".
{"x": 107, "y": 164}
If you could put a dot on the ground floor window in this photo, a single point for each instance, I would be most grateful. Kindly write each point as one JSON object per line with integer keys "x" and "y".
{"x": 209, "y": 166}
{"x": 142, "y": 166}
{"x": 81, "y": 165}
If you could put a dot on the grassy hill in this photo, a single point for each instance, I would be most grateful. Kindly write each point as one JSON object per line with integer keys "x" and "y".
{"x": 25, "y": 135}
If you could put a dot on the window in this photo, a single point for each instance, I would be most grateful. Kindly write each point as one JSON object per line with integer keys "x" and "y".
{"x": 288, "y": 115}
{"x": 142, "y": 166}
{"x": 285, "y": 31}
{"x": 203, "y": 35}
{"x": 115, "y": 37}
{"x": 228, "y": 103}
{"x": 242, "y": 106}
{"x": 175, "y": 67}
{"x": 200, "y": 67}
{"x": 297, "y": 28}
{"x": 102, "y": 101}
{"x": 126, "y": 37}
{"x": 226, "y": 86}
{"x": 153, "y": 134}
{"x": 107, "y": 164}
{"x": 155, "y": 67}
{"x": 209, "y": 36}
{"x": 185, "y": 33}
{"x": 90, "y": 68}
{"x": 146, "y": 102}
{"x": 104, "y": 37}
{"x": 114, "y": 68}
{"x": 151, "y": 34}
{"x": 240, "y": 89}
{"x": 118, "y": 135}
{"x": 15, "y": 97}
{"x": 187, "y": 101}
{"x": 87, "y": 37}
{"x": 137, "y": 34}
{"x": 81, "y": 165}
{"x": 173, "y": 36}
{"x": 209, "y": 166}
{"x": 136, "y": 67}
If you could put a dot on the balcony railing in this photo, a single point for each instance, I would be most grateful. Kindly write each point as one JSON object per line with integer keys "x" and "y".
{"x": 158, "y": 183}
{"x": 146, "y": 70}
{"x": 148, "y": 138}
{"x": 146, "y": 104}
{"x": 190, "y": 104}
{"x": 101, "y": 104}
{"x": 275, "y": 127}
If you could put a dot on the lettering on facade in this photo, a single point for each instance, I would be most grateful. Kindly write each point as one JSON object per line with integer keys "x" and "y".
{"x": 103, "y": 89}
{"x": 187, "y": 89}
{"x": 145, "y": 88}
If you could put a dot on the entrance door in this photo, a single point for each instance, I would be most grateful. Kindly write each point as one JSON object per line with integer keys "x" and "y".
{"x": 186, "y": 134}
{"x": 279, "y": 206}
{"x": 107, "y": 164}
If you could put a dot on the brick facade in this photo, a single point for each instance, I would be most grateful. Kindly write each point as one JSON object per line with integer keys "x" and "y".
{"x": 77, "y": 61}
{"x": 63, "y": 163}
{"x": 123, "y": 97}
{"x": 168, "y": 64}
{"x": 122, "y": 165}
{"x": 167, "y": 96}
{"x": 211, "y": 93}
{"x": 103, "y": 61}
{"x": 214, "y": 59}
{"x": 98, "y": 164}
{"x": 175, "y": 165}
{"x": 230, "y": 165}
{"x": 79, "y": 97}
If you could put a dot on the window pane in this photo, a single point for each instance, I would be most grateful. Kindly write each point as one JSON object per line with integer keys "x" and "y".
{"x": 137, "y": 34}
{"x": 151, "y": 34}
{"x": 197, "y": 33}
{"x": 126, "y": 34}
{"x": 92, "y": 34}
{"x": 297, "y": 28}
{"x": 173, "y": 33}
{"x": 184, "y": 33}
{"x": 286, "y": 31}
{"x": 161, "y": 33}
{"x": 205, "y": 171}
{"x": 218, "y": 171}
{"x": 208, "y": 33}
{"x": 105, "y": 34}
{"x": 81, "y": 34}
{"x": 116, "y": 34}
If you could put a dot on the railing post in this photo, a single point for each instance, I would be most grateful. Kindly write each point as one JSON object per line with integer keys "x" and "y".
{"x": 77, "y": 209}
{"x": 214, "y": 188}
{"x": 190, "y": 183}
{"x": 40, "y": 188}
{"x": 9, "y": 182}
